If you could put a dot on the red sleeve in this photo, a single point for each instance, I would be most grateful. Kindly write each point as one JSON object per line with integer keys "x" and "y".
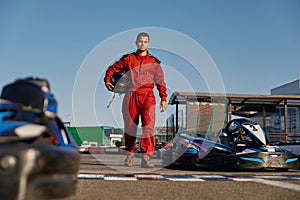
{"x": 160, "y": 83}
{"x": 118, "y": 66}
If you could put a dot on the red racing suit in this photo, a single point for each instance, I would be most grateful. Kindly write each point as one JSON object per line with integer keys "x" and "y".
{"x": 144, "y": 72}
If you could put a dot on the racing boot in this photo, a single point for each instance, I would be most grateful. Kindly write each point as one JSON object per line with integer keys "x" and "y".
{"x": 129, "y": 160}
{"x": 146, "y": 163}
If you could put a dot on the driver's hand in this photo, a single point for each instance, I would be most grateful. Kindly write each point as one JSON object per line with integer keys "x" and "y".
{"x": 109, "y": 86}
{"x": 163, "y": 106}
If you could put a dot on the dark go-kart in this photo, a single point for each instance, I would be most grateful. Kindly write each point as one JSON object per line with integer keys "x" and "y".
{"x": 241, "y": 145}
{"x": 38, "y": 157}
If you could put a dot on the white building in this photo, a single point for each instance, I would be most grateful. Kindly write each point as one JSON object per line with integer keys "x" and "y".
{"x": 292, "y": 88}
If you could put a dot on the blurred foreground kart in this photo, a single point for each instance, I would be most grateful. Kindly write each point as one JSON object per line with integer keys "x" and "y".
{"x": 241, "y": 145}
{"x": 38, "y": 157}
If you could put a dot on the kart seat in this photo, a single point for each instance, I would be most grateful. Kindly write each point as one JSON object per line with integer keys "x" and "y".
{"x": 26, "y": 93}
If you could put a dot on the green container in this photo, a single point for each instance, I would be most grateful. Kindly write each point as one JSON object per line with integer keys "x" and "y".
{"x": 88, "y": 133}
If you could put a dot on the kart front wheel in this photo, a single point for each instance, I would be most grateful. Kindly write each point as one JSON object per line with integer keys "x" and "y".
{"x": 196, "y": 161}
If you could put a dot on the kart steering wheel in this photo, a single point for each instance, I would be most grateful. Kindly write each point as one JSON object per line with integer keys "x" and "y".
{"x": 231, "y": 131}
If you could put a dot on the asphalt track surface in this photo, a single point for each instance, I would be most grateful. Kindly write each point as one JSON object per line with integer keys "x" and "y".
{"x": 103, "y": 176}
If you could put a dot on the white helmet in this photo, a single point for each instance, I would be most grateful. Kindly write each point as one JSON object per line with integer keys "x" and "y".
{"x": 120, "y": 80}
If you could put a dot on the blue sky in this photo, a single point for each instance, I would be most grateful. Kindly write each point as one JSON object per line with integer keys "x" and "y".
{"x": 254, "y": 44}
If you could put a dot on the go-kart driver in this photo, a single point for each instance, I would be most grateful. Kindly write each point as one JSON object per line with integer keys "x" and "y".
{"x": 144, "y": 71}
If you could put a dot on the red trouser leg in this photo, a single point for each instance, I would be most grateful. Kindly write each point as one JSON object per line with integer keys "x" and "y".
{"x": 147, "y": 144}
{"x": 131, "y": 121}
{"x": 135, "y": 104}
